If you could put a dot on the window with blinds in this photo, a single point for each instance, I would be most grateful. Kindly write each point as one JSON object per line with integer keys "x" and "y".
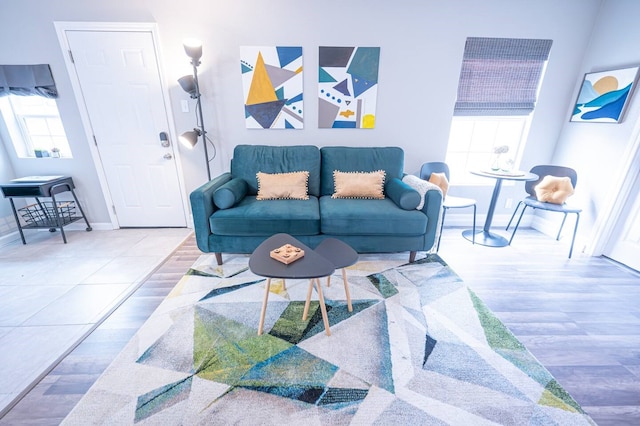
{"x": 497, "y": 92}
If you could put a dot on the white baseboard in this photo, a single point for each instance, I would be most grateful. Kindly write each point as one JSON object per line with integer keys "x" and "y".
{"x": 460, "y": 220}
{"x": 81, "y": 226}
{"x": 75, "y": 226}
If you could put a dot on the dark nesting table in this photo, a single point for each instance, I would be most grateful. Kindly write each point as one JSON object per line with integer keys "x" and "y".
{"x": 341, "y": 255}
{"x": 311, "y": 266}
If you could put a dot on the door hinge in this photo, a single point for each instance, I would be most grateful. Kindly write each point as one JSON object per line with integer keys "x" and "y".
{"x": 71, "y": 57}
{"x": 95, "y": 141}
{"x": 113, "y": 208}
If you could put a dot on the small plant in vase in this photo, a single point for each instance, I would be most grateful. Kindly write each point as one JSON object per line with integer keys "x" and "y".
{"x": 55, "y": 152}
{"x": 495, "y": 159}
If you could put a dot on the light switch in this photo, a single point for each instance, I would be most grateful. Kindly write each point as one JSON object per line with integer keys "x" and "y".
{"x": 185, "y": 106}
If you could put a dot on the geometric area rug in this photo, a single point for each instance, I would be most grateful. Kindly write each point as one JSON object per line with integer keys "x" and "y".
{"x": 418, "y": 348}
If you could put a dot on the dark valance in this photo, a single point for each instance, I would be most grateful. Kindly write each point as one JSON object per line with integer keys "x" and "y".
{"x": 500, "y": 76}
{"x": 27, "y": 80}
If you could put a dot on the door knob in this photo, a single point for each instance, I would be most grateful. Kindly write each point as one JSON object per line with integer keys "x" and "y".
{"x": 167, "y": 156}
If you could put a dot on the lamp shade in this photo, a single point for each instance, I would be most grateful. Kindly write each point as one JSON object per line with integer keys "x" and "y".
{"x": 193, "y": 48}
{"x": 190, "y": 139}
{"x": 188, "y": 84}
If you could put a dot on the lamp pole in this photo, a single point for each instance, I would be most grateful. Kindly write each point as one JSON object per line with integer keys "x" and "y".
{"x": 203, "y": 133}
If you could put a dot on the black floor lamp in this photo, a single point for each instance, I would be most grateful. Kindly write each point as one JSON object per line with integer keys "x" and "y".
{"x": 189, "y": 84}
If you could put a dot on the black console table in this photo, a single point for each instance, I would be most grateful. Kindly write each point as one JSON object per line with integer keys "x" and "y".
{"x": 52, "y": 214}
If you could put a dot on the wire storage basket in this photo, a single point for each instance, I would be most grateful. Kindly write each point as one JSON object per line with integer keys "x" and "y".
{"x": 43, "y": 214}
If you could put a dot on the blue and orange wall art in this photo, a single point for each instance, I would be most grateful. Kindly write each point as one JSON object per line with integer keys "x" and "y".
{"x": 347, "y": 87}
{"x": 604, "y": 95}
{"x": 272, "y": 84}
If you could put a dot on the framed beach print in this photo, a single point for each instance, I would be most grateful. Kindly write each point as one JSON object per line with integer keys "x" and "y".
{"x": 604, "y": 95}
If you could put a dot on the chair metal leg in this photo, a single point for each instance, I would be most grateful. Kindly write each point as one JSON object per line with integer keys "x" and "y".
{"x": 517, "y": 223}
{"x": 473, "y": 238}
{"x": 444, "y": 212}
{"x": 513, "y": 215}
{"x": 561, "y": 226}
{"x": 575, "y": 230}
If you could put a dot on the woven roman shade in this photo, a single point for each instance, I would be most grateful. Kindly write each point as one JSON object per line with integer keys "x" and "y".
{"x": 27, "y": 80}
{"x": 500, "y": 76}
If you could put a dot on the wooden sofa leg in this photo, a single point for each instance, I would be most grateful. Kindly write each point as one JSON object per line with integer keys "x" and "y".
{"x": 219, "y": 258}
{"x": 412, "y": 256}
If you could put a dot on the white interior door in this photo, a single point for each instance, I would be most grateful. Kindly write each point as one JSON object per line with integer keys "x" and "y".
{"x": 624, "y": 245}
{"x": 119, "y": 78}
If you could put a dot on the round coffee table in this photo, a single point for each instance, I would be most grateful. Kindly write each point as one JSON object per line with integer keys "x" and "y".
{"x": 311, "y": 266}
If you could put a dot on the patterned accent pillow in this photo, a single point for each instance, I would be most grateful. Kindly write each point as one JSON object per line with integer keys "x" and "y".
{"x": 553, "y": 189}
{"x": 358, "y": 184}
{"x": 283, "y": 186}
{"x": 420, "y": 185}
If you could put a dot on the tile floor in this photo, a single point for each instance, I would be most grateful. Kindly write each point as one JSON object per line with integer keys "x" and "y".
{"x": 53, "y": 294}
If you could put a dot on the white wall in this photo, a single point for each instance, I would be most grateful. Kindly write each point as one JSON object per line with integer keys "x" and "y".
{"x": 421, "y": 49}
{"x": 7, "y": 223}
{"x": 596, "y": 150}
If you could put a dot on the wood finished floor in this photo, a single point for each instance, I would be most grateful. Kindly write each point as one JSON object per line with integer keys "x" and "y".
{"x": 579, "y": 317}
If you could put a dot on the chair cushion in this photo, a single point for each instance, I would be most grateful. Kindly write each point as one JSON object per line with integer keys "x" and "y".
{"x": 420, "y": 185}
{"x": 358, "y": 184}
{"x": 343, "y": 216}
{"x": 230, "y": 193}
{"x": 441, "y": 180}
{"x": 282, "y": 186}
{"x": 251, "y": 217}
{"x": 402, "y": 194}
{"x": 554, "y": 189}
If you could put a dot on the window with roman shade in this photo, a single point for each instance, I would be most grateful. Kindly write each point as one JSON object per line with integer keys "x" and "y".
{"x": 497, "y": 93}
{"x": 29, "y": 115}
{"x": 500, "y": 76}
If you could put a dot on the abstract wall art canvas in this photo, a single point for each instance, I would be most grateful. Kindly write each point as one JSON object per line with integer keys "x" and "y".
{"x": 604, "y": 96}
{"x": 272, "y": 84}
{"x": 347, "y": 87}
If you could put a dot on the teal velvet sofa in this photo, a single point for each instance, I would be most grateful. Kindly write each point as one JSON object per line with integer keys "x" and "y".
{"x": 228, "y": 218}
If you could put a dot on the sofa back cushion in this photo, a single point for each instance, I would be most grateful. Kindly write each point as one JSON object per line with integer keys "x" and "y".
{"x": 359, "y": 159}
{"x": 248, "y": 160}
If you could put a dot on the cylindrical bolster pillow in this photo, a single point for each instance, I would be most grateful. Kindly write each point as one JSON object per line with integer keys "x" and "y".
{"x": 230, "y": 193}
{"x": 402, "y": 194}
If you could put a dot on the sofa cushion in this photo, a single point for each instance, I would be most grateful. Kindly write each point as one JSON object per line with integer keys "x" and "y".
{"x": 248, "y": 160}
{"x": 402, "y": 194}
{"x": 341, "y": 216}
{"x": 359, "y": 159}
{"x": 358, "y": 184}
{"x": 230, "y": 193}
{"x": 282, "y": 186}
{"x": 252, "y": 217}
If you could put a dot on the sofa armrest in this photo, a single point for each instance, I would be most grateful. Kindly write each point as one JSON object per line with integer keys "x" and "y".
{"x": 202, "y": 207}
{"x": 432, "y": 208}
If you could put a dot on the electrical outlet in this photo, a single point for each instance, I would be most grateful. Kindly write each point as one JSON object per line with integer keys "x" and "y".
{"x": 185, "y": 105}
{"x": 508, "y": 203}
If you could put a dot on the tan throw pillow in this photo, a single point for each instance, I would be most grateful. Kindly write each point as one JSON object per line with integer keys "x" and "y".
{"x": 358, "y": 184}
{"x": 282, "y": 186}
{"x": 441, "y": 180}
{"x": 553, "y": 189}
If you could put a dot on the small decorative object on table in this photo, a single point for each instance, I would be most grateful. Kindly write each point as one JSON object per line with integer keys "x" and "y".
{"x": 495, "y": 159}
{"x": 55, "y": 152}
{"x": 287, "y": 254}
